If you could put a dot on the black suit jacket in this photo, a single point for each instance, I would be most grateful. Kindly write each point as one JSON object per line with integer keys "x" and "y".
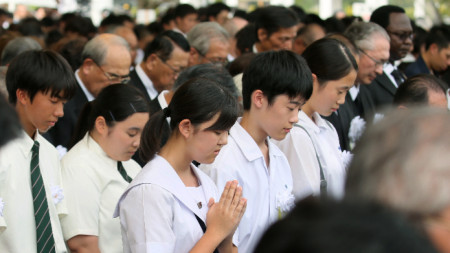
{"x": 61, "y": 133}
{"x": 137, "y": 82}
{"x": 382, "y": 91}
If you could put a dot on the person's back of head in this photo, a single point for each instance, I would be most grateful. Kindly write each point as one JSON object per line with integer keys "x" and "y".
{"x": 182, "y": 10}
{"x": 71, "y": 51}
{"x": 423, "y": 89}
{"x": 16, "y": 47}
{"x": 350, "y": 227}
{"x": 402, "y": 160}
{"x": 245, "y": 38}
{"x": 276, "y": 73}
{"x": 40, "y": 71}
{"x": 31, "y": 27}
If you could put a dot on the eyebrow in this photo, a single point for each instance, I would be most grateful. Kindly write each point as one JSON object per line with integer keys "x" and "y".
{"x": 294, "y": 102}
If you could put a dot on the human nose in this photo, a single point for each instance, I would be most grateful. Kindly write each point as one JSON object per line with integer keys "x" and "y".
{"x": 341, "y": 99}
{"x": 137, "y": 140}
{"x": 294, "y": 117}
{"x": 59, "y": 112}
{"x": 379, "y": 69}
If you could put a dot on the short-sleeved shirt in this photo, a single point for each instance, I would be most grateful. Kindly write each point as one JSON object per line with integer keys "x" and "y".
{"x": 300, "y": 150}
{"x": 93, "y": 185}
{"x": 241, "y": 159}
{"x": 157, "y": 211}
{"x": 17, "y": 221}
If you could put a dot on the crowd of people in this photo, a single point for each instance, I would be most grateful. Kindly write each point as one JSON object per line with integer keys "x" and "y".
{"x": 218, "y": 130}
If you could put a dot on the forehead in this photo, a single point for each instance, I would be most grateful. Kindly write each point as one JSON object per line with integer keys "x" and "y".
{"x": 179, "y": 56}
{"x": 285, "y": 99}
{"x": 217, "y": 46}
{"x": 118, "y": 58}
{"x": 399, "y": 22}
{"x": 285, "y": 32}
{"x": 437, "y": 99}
{"x": 381, "y": 45}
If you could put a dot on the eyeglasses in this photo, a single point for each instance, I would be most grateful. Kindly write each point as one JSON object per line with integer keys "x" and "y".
{"x": 377, "y": 62}
{"x": 175, "y": 71}
{"x": 115, "y": 78}
{"x": 403, "y": 35}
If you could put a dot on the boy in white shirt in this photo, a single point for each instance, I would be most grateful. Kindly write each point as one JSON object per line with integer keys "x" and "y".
{"x": 39, "y": 83}
{"x": 275, "y": 85}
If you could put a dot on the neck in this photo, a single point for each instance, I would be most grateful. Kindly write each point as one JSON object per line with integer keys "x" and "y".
{"x": 259, "y": 47}
{"x": 168, "y": 96}
{"x": 308, "y": 110}
{"x": 29, "y": 128}
{"x": 253, "y": 129}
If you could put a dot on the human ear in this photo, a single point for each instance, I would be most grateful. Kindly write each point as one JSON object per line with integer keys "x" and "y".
{"x": 88, "y": 66}
{"x": 22, "y": 96}
{"x": 193, "y": 56}
{"x": 101, "y": 126}
{"x": 151, "y": 61}
{"x": 262, "y": 34}
{"x": 185, "y": 127}
{"x": 258, "y": 98}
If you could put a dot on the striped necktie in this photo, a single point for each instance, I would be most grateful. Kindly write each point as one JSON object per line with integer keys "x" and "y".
{"x": 123, "y": 172}
{"x": 44, "y": 234}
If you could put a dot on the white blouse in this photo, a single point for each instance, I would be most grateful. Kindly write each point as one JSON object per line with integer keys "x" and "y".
{"x": 304, "y": 148}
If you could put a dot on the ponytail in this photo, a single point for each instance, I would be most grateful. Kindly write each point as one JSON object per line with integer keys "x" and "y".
{"x": 152, "y": 135}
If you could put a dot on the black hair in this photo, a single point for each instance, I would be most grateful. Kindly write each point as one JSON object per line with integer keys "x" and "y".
{"x": 312, "y": 18}
{"x": 9, "y": 122}
{"x": 214, "y": 9}
{"x": 329, "y": 60}
{"x": 30, "y": 27}
{"x": 40, "y": 70}
{"x": 182, "y": 10}
{"x": 238, "y": 13}
{"x": 155, "y": 28}
{"x": 163, "y": 45}
{"x": 382, "y": 15}
{"x": 113, "y": 19}
{"x": 439, "y": 35}
{"x": 273, "y": 18}
{"x": 168, "y": 16}
{"x": 414, "y": 91}
{"x": 240, "y": 63}
{"x": 72, "y": 51}
{"x": 276, "y": 73}
{"x": 301, "y": 14}
{"x": 115, "y": 103}
{"x": 79, "y": 25}
{"x": 350, "y": 227}
{"x": 245, "y": 38}
{"x": 198, "y": 100}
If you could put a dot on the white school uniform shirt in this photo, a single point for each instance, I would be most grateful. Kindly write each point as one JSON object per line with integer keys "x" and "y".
{"x": 241, "y": 159}
{"x": 157, "y": 212}
{"x": 93, "y": 185}
{"x": 299, "y": 150}
{"x": 17, "y": 222}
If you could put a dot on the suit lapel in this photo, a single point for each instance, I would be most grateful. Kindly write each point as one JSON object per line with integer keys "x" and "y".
{"x": 137, "y": 82}
{"x": 386, "y": 83}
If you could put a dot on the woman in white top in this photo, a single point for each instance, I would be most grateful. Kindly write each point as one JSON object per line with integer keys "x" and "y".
{"x": 170, "y": 203}
{"x": 312, "y": 147}
{"x": 98, "y": 168}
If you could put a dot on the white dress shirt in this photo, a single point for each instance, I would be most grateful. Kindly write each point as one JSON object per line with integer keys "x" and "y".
{"x": 86, "y": 92}
{"x": 17, "y": 222}
{"x": 157, "y": 213}
{"x": 262, "y": 186}
{"x": 300, "y": 151}
{"x": 152, "y": 92}
{"x": 93, "y": 185}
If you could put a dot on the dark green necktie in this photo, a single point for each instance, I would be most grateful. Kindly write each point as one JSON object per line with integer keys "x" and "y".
{"x": 44, "y": 234}
{"x": 123, "y": 172}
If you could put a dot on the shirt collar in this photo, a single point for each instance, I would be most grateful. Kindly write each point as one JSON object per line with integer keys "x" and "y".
{"x": 247, "y": 145}
{"x": 26, "y": 142}
{"x": 354, "y": 90}
{"x": 97, "y": 149}
{"x": 86, "y": 92}
{"x": 316, "y": 126}
{"x": 152, "y": 92}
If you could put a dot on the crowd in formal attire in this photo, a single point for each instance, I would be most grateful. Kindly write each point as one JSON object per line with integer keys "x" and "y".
{"x": 218, "y": 130}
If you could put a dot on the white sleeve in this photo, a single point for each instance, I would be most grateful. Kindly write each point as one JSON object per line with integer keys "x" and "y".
{"x": 146, "y": 217}
{"x": 3, "y": 191}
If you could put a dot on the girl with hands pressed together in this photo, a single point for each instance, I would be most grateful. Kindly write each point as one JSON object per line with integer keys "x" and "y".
{"x": 171, "y": 205}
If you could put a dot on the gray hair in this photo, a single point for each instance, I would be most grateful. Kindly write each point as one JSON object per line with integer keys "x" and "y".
{"x": 16, "y": 47}
{"x": 200, "y": 36}
{"x": 402, "y": 161}
{"x": 363, "y": 33}
{"x": 97, "y": 48}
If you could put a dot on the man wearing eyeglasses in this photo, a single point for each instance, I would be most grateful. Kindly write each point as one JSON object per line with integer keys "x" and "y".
{"x": 372, "y": 42}
{"x": 106, "y": 60}
{"x": 165, "y": 57}
{"x": 397, "y": 24}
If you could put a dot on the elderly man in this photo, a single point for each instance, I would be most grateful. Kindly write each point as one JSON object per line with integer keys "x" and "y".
{"x": 372, "y": 41}
{"x": 165, "y": 57}
{"x": 209, "y": 44}
{"x": 403, "y": 162}
{"x": 397, "y": 24}
{"x": 106, "y": 60}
